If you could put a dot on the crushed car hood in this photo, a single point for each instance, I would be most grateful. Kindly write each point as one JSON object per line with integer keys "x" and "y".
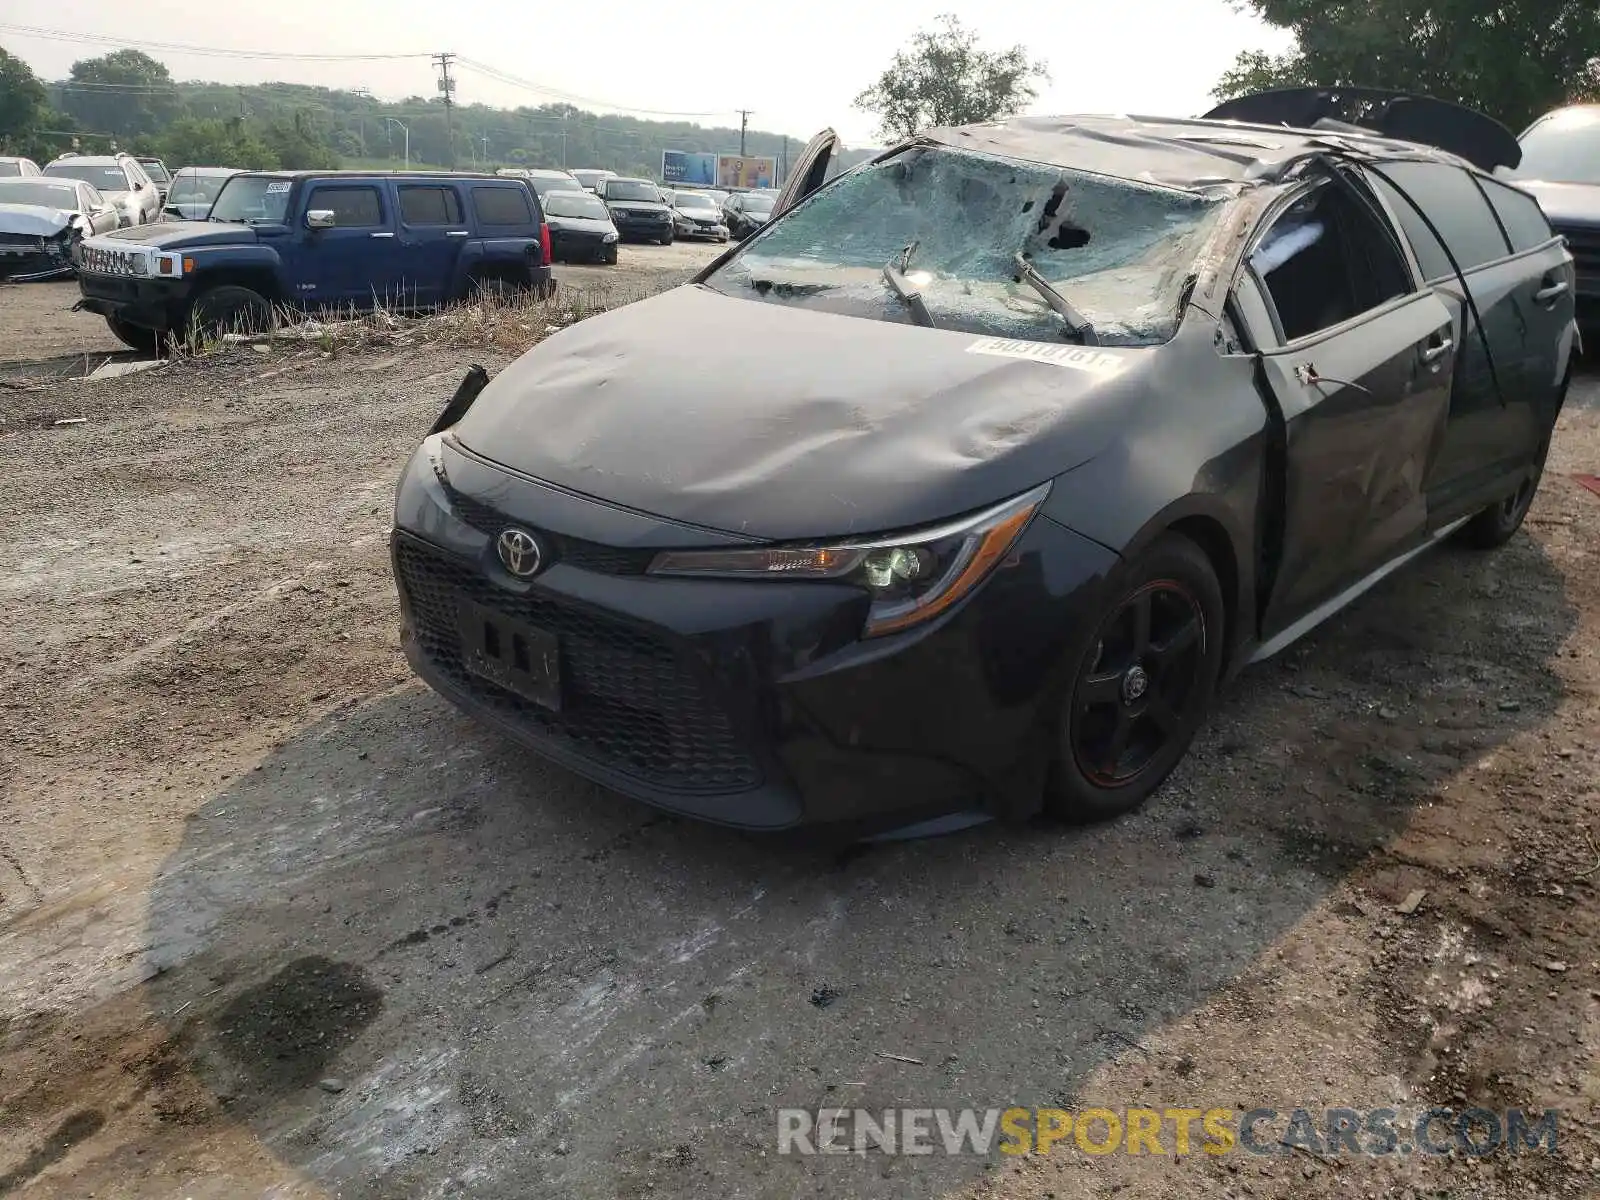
{"x": 174, "y": 235}
{"x": 33, "y": 220}
{"x": 1565, "y": 203}
{"x": 805, "y": 424}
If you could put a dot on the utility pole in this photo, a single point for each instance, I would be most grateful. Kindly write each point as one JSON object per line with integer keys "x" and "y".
{"x": 361, "y": 116}
{"x": 485, "y": 140}
{"x": 447, "y": 89}
{"x": 744, "y": 123}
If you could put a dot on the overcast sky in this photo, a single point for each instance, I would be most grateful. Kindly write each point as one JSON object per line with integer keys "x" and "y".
{"x": 1132, "y": 56}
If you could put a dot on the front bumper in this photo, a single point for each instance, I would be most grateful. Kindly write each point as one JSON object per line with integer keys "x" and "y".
{"x": 643, "y": 227}
{"x": 750, "y": 704}
{"x": 23, "y": 260}
{"x": 136, "y": 299}
{"x": 692, "y": 229}
{"x": 568, "y": 244}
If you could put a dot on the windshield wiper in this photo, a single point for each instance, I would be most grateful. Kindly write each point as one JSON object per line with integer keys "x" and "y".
{"x": 894, "y": 275}
{"x": 1077, "y": 324}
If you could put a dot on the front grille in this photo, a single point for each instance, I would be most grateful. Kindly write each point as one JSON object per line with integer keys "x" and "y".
{"x": 591, "y": 556}
{"x": 103, "y": 260}
{"x": 25, "y": 241}
{"x": 630, "y": 701}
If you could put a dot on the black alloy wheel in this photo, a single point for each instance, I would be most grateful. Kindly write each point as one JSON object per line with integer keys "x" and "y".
{"x": 1495, "y": 525}
{"x": 1143, "y": 684}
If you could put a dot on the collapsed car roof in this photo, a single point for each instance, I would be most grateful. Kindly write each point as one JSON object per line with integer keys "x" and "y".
{"x": 1218, "y": 155}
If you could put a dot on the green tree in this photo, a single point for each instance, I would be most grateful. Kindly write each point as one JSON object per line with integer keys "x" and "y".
{"x": 1513, "y": 60}
{"x": 22, "y": 101}
{"x": 945, "y": 78}
{"x": 300, "y": 143}
{"x": 211, "y": 143}
{"x": 124, "y": 93}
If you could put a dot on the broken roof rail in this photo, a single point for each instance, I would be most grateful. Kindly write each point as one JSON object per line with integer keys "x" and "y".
{"x": 1404, "y": 116}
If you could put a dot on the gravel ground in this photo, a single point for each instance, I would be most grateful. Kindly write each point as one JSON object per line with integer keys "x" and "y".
{"x": 275, "y": 921}
{"x": 38, "y": 326}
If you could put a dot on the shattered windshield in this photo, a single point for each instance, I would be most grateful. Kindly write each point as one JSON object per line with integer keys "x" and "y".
{"x": 952, "y": 223}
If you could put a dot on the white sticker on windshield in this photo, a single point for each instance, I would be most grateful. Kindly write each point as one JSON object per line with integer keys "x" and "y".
{"x": 1079, "y": 358}
{"x": 276, "y": 186}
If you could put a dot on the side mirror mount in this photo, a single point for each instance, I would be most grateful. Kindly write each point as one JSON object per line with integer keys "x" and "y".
{"x": 320, "y": 218}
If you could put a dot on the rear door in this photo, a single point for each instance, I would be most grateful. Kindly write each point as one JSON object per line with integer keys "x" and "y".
{"x": 432, "y": 231}
{"x": 356, "y": 262}
{"x": 1493, "y": 424}
{"x": 1359, "y": 361}
{"x": 1547, "y": 288}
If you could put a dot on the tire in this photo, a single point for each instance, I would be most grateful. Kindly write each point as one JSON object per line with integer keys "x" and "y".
{"x": 667, "y": 241}
{"x": 228, "y": 308}
{"x": 136, "y": 337}
{"x": 1135, "y": 702}
{"x": 1497, "y": 524}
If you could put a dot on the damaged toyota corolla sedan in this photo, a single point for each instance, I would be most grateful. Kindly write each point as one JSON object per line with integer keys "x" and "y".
{"x": 957, "y": 489}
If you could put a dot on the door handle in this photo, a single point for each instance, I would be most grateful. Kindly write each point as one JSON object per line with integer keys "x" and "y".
{"x": 1547, "y": 296}
{"x": 1308, "y": 377}
{"x": 1435, "y": 352}
{"x": 381, "y": 235}
{"x": 459, "y": 233}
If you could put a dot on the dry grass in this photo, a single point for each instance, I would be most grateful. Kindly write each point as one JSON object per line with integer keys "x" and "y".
{"x": 507, "y": 323}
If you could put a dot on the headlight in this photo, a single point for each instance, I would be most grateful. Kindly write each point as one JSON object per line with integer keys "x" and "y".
{"x": 610, "y": 237}
{"x": 138, "y": 264}
{"x": 912, "y": 577}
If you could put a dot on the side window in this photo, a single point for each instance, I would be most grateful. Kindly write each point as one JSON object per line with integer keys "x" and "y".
{"x": 352, "y": 206}
{"x": 1453, "y": 203}
{"x": 1524, "y": 221}
{"x": 502, "y": 206}
{"x": 1326, "y": 260}
{"x": 429, "y": 205}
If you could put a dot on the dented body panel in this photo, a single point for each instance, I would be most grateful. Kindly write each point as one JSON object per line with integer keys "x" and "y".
{"x": 1262, "y": 366}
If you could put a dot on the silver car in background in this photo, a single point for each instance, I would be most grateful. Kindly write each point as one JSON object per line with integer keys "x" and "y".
{"x": 117, "y": 177}
{"x": 193, "y": 190}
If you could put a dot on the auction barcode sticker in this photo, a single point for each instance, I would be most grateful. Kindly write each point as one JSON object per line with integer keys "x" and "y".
{"x": 1079, "y": 358}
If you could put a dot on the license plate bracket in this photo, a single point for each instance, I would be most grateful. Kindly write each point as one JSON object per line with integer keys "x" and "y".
{"x": 518, "y": 657}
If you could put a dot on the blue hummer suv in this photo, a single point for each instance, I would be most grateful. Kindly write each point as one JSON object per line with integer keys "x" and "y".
{"x": 342, "y": 240}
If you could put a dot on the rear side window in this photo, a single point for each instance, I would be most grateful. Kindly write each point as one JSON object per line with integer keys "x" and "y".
{"x": 1520, "y": 214}
{"x": 429, "y": 206}
{"x": 1326, "y": 260}
{"x": 352, "y": 206}
{"x": 1456, "y": 207}
{"x": 502, "y": 206}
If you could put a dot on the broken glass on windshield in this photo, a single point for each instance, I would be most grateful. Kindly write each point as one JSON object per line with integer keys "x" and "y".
{"x": 1116, "y": 250}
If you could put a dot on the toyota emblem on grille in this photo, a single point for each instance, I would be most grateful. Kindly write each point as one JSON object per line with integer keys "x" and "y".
{"x": 519, "y": 551}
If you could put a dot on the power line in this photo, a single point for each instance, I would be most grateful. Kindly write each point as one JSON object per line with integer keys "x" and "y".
{"x": 506, "y": 77}
{"x": 93, "y": 39}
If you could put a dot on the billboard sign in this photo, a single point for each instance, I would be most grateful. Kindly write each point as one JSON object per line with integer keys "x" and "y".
{"x": 747, "y": 171}
{"x": 686, "y": 167}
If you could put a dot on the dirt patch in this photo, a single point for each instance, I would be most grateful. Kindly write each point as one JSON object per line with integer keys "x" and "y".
{"x": 245, "y": 854}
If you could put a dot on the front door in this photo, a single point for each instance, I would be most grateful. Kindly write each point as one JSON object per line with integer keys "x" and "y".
{"x": 1359, "y": 363}
{"x": 354, "y": 263}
